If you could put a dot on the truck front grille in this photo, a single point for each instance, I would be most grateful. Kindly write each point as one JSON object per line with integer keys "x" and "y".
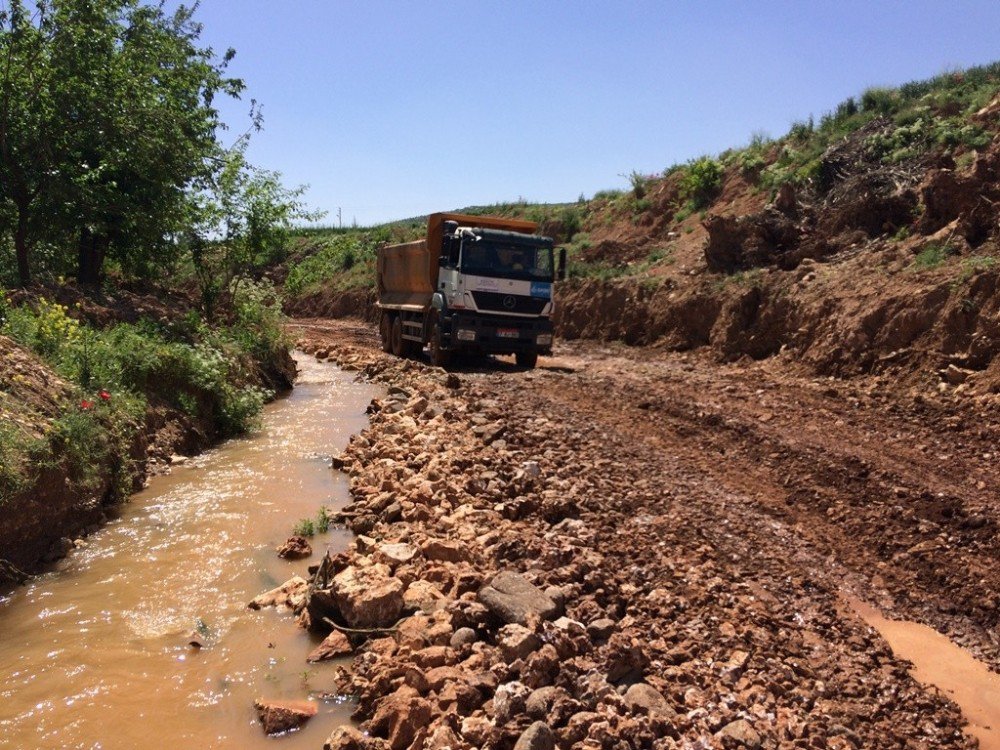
{"x": 508, "y": 303}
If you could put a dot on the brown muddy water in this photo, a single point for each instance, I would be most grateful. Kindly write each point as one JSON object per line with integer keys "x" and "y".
{"x": 95, "y": 655}
{"x": 940, "y": 662}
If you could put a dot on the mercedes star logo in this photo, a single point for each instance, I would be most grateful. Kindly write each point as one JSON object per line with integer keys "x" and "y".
{"x": 509, "y": 302}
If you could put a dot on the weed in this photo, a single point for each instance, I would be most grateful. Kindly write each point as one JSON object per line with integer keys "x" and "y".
{"x": 323, "y": 519}
{"x": 305, "y": 527}
{"x": 972, "y": 265}
{"x": 932, "y": 256}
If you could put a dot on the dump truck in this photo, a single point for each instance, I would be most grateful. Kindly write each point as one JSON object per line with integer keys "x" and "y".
{"x": 480, "y": 284}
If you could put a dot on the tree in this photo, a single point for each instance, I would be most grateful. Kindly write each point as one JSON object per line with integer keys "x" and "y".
{"x": 106, "y": 122}
{"x": 240, "y": 223}
{"x": 26, "y": 122}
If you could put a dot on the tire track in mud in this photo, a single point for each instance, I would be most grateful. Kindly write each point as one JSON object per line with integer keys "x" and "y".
{"x": 918, "y": 534}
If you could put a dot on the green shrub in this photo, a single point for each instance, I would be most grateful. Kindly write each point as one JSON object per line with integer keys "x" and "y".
{"x": 16, "y": 449}
{"x": 701, "y": 181}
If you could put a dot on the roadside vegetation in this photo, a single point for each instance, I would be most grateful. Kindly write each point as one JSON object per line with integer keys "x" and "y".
{"x": 116, "y": 175}
{"x": 209, "y": 374}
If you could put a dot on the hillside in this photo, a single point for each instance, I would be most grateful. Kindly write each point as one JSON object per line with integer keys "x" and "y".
{"x": 865, "y": 242}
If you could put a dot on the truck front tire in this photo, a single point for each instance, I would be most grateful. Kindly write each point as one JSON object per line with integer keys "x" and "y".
{"x": 396, "y": 342}
{"x": 526, "y": 359}
{"x": 440, "y": 357}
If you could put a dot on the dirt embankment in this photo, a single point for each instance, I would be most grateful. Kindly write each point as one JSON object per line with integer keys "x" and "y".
{"x": 875, "y": 269}
{"x": 54, "y": 506}
{"x": 611, "y": 552}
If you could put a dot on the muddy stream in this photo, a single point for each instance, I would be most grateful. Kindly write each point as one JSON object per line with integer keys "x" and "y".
{"x": 94, "y": 654}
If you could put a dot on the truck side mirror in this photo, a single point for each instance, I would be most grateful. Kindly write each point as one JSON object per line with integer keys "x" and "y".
{"x": 561, "y": 268}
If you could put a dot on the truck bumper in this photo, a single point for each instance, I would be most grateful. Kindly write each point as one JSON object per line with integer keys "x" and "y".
{"x": 494, "y": 334}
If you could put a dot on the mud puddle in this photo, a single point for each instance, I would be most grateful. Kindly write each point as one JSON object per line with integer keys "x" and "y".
{"x": 938, "y": 661}
{"x": 95, "y": 654}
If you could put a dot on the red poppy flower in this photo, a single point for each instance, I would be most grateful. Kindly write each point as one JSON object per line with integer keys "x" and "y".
{"x": 85, "y": 404}
{"x": 105, "y": 396}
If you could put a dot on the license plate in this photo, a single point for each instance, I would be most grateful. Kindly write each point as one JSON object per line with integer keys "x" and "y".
{"x": 507, "y": 333}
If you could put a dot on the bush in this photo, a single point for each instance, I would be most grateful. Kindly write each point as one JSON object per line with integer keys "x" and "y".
{"x": 701, "y": 181}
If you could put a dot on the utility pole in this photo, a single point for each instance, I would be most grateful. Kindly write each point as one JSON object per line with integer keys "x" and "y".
{"x": 340, "y": 224}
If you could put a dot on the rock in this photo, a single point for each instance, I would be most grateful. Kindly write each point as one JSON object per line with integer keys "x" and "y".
{"x": 397, "y": 553}
{"x": 399, "y": 716}
{"x": 283, "y": 716}
{"x": 647, "y": 699}
{"x": 447, "y": 551}
{"x": 742, "y": 732}
{"x": 334, "y": 645}
{"x": 292, "y": 594}
{"x": 476, "y": 729}
{"x": 423, "y": 596}
{"x": 536, "y": 737}
{"x": 517, "y": 642}
{"x": 540, "y": 701}
{"x": 368, "y": 597}
{"x": 509, "y": 700}
{"x": 511, "y": 598}
{"x": 956, "y": 375}
{"x": 462, "y": 637}
{"x": 601, "y": 630}
{"x": 295, "y": 548}
{"x": 346, "y": 737}
{"x": 442, "y": 738}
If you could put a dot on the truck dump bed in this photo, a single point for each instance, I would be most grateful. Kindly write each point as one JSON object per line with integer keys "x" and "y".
{"x": 408, "y": 272}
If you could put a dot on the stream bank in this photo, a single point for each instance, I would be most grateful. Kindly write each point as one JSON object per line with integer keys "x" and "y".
{"x": 97, "y": 650}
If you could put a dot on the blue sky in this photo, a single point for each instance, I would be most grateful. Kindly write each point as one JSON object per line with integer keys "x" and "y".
{"x": 393, "y": 109}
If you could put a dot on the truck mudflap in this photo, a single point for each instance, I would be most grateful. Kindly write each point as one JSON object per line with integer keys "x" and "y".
{"x": 497, "y": 334}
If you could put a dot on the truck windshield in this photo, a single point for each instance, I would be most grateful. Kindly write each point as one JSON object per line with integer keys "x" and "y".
{"x": 508, "y": 261}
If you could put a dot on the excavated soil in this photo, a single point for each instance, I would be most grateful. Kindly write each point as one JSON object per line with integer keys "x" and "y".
{"x": 699, "y": 528}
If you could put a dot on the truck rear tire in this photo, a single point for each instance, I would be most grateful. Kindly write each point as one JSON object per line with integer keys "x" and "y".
{"x": 526, "y": 359}
{"x": 385, "y": 331}
{"x": 396, "y": 341}
{"x": 440, "y": 357}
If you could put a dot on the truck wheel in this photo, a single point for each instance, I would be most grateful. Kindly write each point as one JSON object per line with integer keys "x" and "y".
{"x": 385, "y": 331}
{"x": 526, "y": 359}
{"x": 396, "y": 342}
{"x": 440, "y": 357}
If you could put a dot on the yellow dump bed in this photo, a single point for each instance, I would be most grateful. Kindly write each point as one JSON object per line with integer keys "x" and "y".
{"x": 407, "y": 273}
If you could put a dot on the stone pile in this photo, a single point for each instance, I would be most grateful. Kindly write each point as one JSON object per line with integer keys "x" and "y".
{"x": 515, "y": 584}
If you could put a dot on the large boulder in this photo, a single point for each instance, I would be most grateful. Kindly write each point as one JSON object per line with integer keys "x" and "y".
{"x": 291, "y": 594}
{"x": 334, "y": 645}
{"x": 295, "y": 548}
{"x": 512, "y": 599}
{"x": 399, "y": 717}
{"x": 282, "y": 716}
{"x": 368, "y": 597}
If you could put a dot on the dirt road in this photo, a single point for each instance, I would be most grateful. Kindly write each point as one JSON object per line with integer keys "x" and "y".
{"x": 730, "y": 511}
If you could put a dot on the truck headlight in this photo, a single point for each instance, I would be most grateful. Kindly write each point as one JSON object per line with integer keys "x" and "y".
{"x": 464, "y": 334}
{"x": 544, "y": 339}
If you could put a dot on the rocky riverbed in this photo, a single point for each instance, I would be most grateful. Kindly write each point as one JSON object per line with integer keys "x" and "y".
{"x": 526, "y": 576}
